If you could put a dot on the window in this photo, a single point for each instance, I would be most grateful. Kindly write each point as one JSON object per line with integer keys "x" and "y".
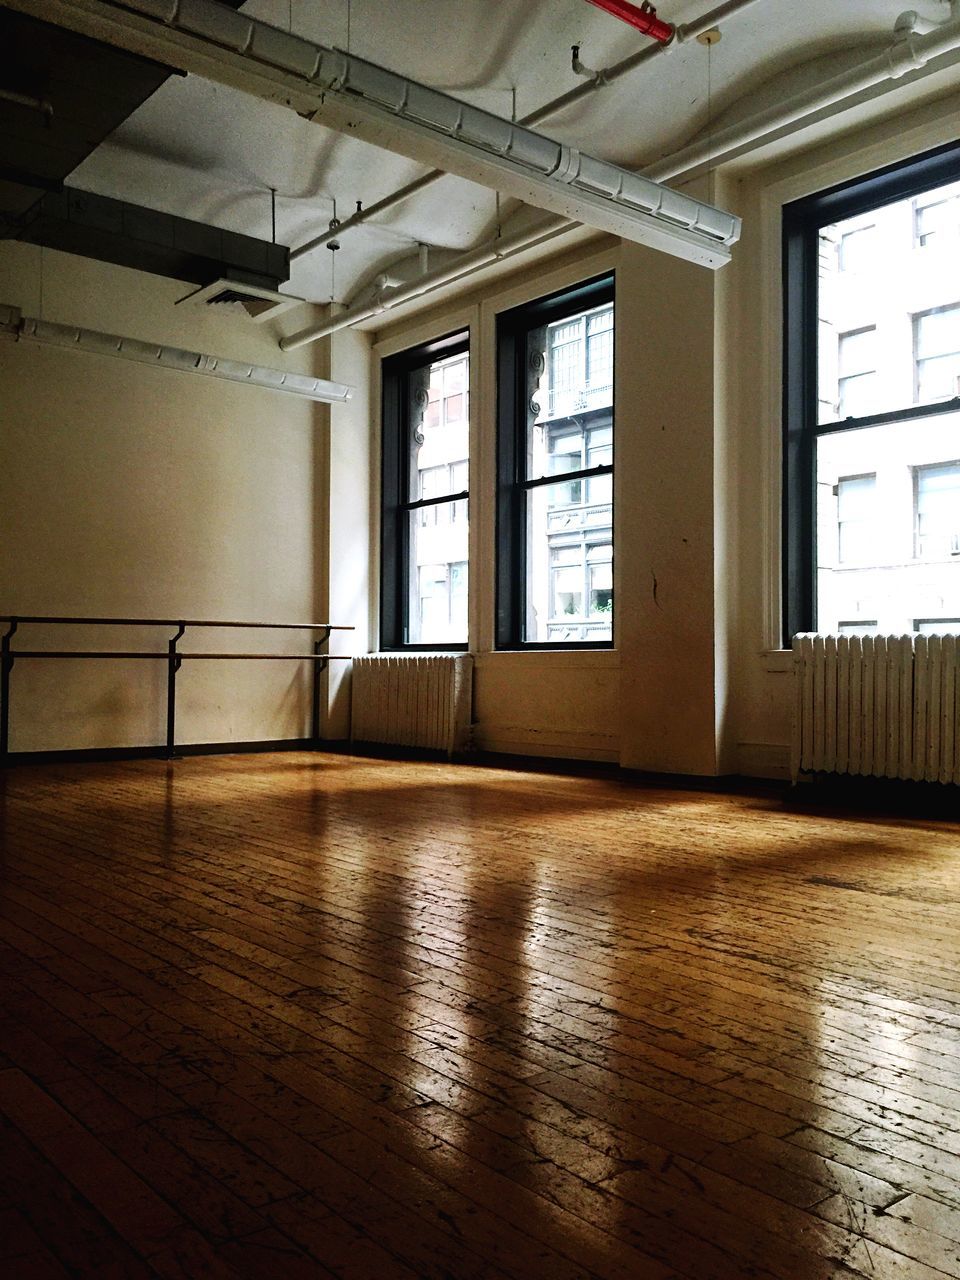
{"x": 555, "y": 493}
{"x": 425, "y": 502}
{"x": 864, "y": 627}
{"x": 857, "y": 380}
{"x": 857, "y": 248}
{"x": 936, "y": 626}
{"x": 871, "y": 419}
{"x": 937, "y": 347}
{"x": 937, "y": 504}
{"x": 856, "y": 516}
{"x": 936, "y": 218}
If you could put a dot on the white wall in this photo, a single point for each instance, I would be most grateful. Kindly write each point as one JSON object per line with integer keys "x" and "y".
{"x": 139, "y": 492}
{"x": 343, "y": 503}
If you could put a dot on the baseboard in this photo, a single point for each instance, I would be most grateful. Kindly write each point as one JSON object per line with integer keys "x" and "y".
{"x": 763, "y": 760}
{"x": 94, "y": 755}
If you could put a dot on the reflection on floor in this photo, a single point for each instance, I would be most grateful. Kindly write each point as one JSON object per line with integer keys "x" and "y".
{"x": 306, "y": 1015}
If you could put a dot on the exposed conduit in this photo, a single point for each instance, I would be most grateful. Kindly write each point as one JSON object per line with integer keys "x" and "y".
{"x": 466, "y": 265}
{"x": 910, "y": 52}
{"x": 686, "y": 31}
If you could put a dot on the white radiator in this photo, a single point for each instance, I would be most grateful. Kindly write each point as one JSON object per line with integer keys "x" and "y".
{"x": 885, "y": 706}
{"x": 413, "y": 700}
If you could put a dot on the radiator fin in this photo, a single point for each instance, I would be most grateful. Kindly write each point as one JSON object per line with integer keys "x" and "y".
{"x": 413, "y": 700}
{"x": 877, "y": 706}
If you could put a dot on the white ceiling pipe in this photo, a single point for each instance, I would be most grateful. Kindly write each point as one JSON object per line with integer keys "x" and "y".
{"x": 686, "y": 31}
{"x": 907, "y": 54}
{"x": 28, "y": 328}
{"x": 465, "y": 265}
{"x": 378, "y": 106}
{"x": 748, "y": 132}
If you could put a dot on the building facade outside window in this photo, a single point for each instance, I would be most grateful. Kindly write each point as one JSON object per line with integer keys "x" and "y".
{"x": 555, "y": 445}
{"x": 425, "y": 498}
{"x": 872, "y": 402}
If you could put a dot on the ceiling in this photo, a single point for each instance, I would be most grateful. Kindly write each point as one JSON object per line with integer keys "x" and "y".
{"x": 210, "y": 153}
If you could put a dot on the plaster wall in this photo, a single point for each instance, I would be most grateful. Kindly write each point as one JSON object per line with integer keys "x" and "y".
{"x": 140, "y": 492}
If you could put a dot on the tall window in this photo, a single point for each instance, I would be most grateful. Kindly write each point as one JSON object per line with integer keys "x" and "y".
{"x": 555, "y": 499}
{"x": 425, "y": 502}
{"x": 872, "y": 401}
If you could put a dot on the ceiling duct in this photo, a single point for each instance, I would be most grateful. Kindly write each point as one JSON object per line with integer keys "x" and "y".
{"x": 60, "y": 96}
{"x": 388, "y": 110}
{"x": 27, "y": 328}
{"x": 131, "y": 235}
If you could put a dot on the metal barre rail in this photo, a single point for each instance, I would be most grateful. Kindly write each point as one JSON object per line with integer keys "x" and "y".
{"x": 163, "y": 657}
{"x": 175, "y": 622}
{"x": 173, "y": 657}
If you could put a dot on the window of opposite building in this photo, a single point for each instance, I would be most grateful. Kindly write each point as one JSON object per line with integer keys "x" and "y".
{"x": 872, "y": 400}
{"x": 555, "y": 475}
{"x": 937, "y": 505}
{"x": 425, "y": 498}
{"x": 856, "y": 518}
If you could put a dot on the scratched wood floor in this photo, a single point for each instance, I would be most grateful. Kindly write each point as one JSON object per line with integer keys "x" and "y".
{"x": 306, "y": 1016}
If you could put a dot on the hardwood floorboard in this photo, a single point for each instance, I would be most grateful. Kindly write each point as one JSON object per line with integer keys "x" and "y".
{"x": 299, "y": 1015}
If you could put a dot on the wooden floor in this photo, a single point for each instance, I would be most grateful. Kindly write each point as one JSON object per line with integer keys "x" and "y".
{"x": 306, "y": 1016}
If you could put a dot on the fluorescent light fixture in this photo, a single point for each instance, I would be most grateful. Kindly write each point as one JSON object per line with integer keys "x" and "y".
{"x": 387, "y": 110}
{"x": 258, "y": 304}
{"x": 27, "y": 328}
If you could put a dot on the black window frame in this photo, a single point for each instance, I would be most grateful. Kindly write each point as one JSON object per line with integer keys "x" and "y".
{"x": 802, "y": 221}
{"x": 395, "y": 500}
{"x": 514, "y": 389}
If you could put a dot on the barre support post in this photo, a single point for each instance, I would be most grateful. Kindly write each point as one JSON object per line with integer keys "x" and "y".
{"x": 319, "y": 666}
{"x": 6, "y": 666}
{"x": 173, "y": 666}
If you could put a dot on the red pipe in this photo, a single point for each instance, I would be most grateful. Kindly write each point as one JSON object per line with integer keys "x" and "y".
{"x": 643, "y": 17}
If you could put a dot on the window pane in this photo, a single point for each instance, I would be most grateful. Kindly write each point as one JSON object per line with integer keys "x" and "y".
{"x": 436, "y": 571}
{"x": 437, "y": 610}
{"x": 888, "y": 512}
{"x": 576, "y": 355}
{"x": 889, "y": 308}
{"x": 570, "y": 563}
{"x": 441, "y": 440}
